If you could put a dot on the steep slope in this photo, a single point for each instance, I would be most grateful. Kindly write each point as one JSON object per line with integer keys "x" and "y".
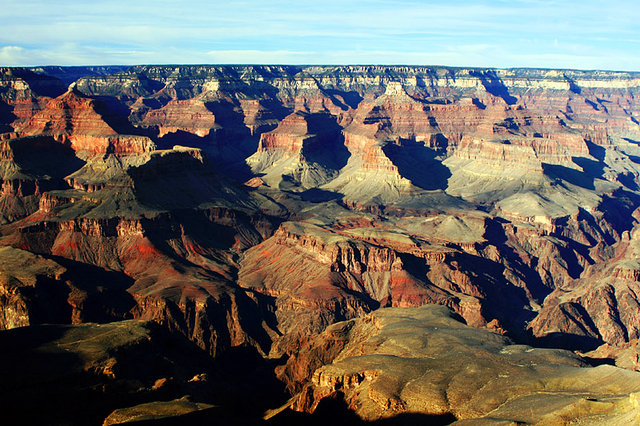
{"x": 304, "y": 150}
{"x": 29, "y": 167}
{"x": 601, "y": 306}
{"x": 251, "y": 207}
{"x": 72, "y": 118}
{"x": 175, "y": 233}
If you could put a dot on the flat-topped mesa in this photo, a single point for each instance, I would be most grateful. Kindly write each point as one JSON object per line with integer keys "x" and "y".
{"x": 525, "y": 153}
{"x": 500, "y": 154}
{"x": 396, "y": 361}
{"x": 305, "y": 149}
{"x": 289, "y": 136}
{"x": 190, "y": 115}
{"x": 303, "y": 133}
{"x": 74, "y": 119}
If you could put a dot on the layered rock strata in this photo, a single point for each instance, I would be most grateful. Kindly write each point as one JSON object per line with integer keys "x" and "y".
{"x": 508, "y": 196}
{"x": 398, "y": 361}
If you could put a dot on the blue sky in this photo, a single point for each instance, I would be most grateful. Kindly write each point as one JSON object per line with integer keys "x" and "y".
{"x": 585, "y": 34}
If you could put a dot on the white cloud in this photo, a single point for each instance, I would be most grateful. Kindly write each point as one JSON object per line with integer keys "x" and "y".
{"x": 471, "y": 55}
{"x": 13, "y": 55}
{"x": 452, "y": 32}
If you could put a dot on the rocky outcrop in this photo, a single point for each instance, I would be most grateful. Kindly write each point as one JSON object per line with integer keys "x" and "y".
{"x": 600, "y": 307}
{"x": 488, "y": 119}
{"x": 38, "y": 290}
{"x": 116, "y": 218}
{"x": 24, "y": 290}
{"x": 508, "y": 196}
{"x": 195, "y": 298}
{"x": 74, "y": 119}
{"x": 23, "y": 93}
{"x": 155, "y": 411}
{"x": 305, "y": 149}
{"x": 398, "y": 361}
{"x": 191, "y": 116}
{"x": 320, "y": 274}
{"x": 29, "y": 167}
{"x": 343, "y": 277}
{"x": 79, "y": 374}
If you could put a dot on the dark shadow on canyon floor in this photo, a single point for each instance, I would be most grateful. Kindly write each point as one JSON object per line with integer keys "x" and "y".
{"x": 333, "y": 410}
{"x": 419, "y": 164}
{"x": 571, "y": 342}
{"x": 317, "y": 195}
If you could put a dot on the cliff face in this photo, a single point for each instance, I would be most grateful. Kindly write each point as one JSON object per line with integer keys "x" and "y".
{"x": 74, "y": 119}
{"x": 254, "y": 206}
{"x": 601, "y": 305}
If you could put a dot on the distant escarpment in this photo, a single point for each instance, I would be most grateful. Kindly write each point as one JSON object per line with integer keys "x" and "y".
{"x": 248, "y": 209}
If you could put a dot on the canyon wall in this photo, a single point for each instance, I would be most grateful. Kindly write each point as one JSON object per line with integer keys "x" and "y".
{"x": 255, "y": 206}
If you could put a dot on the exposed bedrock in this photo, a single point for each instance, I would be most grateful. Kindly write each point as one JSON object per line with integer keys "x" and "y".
{"x": 250, "y": 208}
{"x": 397, "y": 361}
{"x": 179, "y": 275}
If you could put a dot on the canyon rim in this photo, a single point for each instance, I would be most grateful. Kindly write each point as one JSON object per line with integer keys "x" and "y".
{"x": 269, "y": 244}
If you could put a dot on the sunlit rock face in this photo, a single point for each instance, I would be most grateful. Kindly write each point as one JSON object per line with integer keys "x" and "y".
{"x": 250, "y": 208}
{"x": 398, "y": 361}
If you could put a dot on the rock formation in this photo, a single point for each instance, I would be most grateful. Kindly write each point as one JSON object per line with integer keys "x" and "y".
{"x": 398, "y": 361}
{"x": 94, "y": 368}
{"x": 249, "y": 208}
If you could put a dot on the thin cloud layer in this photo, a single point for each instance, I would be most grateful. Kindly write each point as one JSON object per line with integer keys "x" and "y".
{"x": 555, "y": 34}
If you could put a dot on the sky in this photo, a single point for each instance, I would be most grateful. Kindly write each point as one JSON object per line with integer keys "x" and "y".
{"x": 585, "y": 34}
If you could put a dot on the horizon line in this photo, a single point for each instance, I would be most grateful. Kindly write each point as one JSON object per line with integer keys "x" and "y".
{"x": 318, "y": 65}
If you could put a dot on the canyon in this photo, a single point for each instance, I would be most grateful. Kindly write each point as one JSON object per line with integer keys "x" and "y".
{"x": 288, "y": 244}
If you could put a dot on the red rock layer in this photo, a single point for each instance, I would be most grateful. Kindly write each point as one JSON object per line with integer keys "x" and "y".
{"x": 186, "y": 276}
{"x": 601, "y": 306}
{"x": 342, "y": 278}
{"x": 260, "y": 116}
{"x": 288, "y": 136}
{"x": 189, "y": 115}
{"x": 72, "y": 118}
{"x": 197, "y": 300}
